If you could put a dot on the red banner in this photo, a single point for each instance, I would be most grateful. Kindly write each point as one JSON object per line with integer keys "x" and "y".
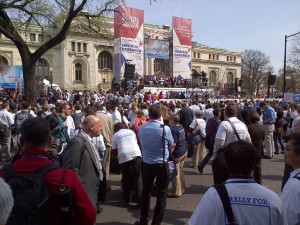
{"x": 183, "y": 30}
{"x": 128, "y": 22}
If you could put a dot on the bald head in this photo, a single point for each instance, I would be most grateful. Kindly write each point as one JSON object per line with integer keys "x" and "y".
{"x": 92, "y": 125}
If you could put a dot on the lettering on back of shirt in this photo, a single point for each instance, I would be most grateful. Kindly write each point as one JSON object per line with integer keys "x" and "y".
{"x": 252, "y": 201}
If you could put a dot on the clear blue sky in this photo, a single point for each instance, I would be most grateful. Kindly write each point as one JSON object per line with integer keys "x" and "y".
{"x": 235, "y": 25}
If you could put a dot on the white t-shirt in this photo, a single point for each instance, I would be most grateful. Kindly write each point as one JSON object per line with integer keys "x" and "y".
{"x": 200, "y": 123}
{"x": 126, "y": 143}
{"x": 71, "y": 126}
{"x": 226, "y": 133}
{"x": 290, "y": 198}
{"x": 252, "y": 204}
{"x": 208, "y": 113}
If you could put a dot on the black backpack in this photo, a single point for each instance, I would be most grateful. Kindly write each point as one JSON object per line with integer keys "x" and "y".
{"x": 31, "y": 196}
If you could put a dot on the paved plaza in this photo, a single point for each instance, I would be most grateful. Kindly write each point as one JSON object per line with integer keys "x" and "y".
{"x": 179, "y": 210}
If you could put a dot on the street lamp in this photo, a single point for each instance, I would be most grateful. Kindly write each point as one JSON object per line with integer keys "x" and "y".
{"x": 284, "y": 62}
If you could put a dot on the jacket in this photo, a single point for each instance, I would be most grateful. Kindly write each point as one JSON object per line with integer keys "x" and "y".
{"x": 34, "y": 159}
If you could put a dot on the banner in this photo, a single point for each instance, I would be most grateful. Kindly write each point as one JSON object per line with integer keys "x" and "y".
{"x": 182, "y": 47}
{"x": 156, "y": 49}
{"x": 10, "y": 76}
{"x": 129, "y": 40}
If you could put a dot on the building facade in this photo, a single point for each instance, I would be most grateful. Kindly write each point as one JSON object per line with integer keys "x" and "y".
{"x": 85, "y": 59}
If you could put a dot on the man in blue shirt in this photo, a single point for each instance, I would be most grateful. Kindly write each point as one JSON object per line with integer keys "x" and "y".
{"x": 155, "y": 166}
{"x": 268, "y": 121}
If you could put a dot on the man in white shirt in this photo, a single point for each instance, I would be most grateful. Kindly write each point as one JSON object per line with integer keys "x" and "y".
{"x": 251, "y": 203}
{"x": 290, "y": 195}
{"x": 226, "y": 135}
{"x": 208, "y": 113}
{"x": 6, "y": 120}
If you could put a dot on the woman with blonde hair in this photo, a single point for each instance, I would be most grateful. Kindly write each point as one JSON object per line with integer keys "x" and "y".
{"x": 132, "y": 114}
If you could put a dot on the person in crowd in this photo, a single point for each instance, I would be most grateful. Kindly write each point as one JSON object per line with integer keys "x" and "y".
{"x": 35, "y": 136}
{"x": 107, "y": 132}
{"x": 6, "y": 201}
{"x": 165, "y": 114}
{"x": 269, "y": 119}
{"x": 81, "y": 155}
{"x": 296, "y": 119}
{"x": 208, "y": 113}
{"x": 197, "y": 127}
{"x": 291, "y": 194}
{"x": 257, "y": 133}
{"x": 211, "y": 129}
{"x": 115, "y": 114}
{"x": 140, "y": 120}
{"x": 226, "y": 135}
{"x": 186, "y": 117}
{"x": 125, "y": 147}
{"x": 132, "y": 114}
{"x": 6, "y": 121}
{"x": 179, "y": 154}
{"x": 278, "y": 131}
{"x": 155, "y": 157}
{"x": 251, "y": 203}
{"x": 62, "y": 129}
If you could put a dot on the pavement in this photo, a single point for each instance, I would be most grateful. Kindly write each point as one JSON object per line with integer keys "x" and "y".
{"x": 179, "y": 210}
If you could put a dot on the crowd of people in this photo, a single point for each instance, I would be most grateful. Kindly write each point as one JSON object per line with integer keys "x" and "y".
{"x": 85, "y": 132}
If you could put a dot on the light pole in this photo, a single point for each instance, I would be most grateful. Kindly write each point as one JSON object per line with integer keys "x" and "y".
{"x": 284, "y": 61}
{"x": 51, "y": 76}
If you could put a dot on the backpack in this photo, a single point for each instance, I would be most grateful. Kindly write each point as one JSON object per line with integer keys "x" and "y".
{"x": 77, "y": 119}
{"x": 20, "y": 118}
{"x": 31, "y": 196}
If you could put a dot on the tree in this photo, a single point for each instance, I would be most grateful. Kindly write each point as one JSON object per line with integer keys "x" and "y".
{"x": 255, "y": 70}
{"x": 294, "y": 58}
{"x": 17, "y": 16}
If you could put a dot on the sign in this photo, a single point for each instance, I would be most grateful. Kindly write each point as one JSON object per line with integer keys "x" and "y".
{"x": 129, "y": 40}
{"x": 11, "y": 76}
{"x": 182, "y": 47}
{"x": 297, "y": 97}
{"x": 156, "y": 49}
{"x": 288, "y": 97}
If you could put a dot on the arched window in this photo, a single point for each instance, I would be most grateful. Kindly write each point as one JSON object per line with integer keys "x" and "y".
{"x": 78, "y": 71}
{"x": 3, "y": 61}
{"x": 212, "y": 78}
{"x": 159, "y": 66}
{"x": 230, "y": 78}
{"x": 42, "y": 68}
{"x": 105, "y": 60}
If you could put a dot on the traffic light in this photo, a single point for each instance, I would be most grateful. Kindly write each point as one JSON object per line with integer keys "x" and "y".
{"x": 129, "y": 71}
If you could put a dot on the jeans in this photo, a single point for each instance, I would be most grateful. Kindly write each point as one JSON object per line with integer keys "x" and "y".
{"x": 277, "y": 136}
{"x": 159, "y": 171}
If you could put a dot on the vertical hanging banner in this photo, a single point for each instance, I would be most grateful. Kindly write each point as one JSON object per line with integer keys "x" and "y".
{"x": 128, "y": 41}
{"x": 182, "y": 47}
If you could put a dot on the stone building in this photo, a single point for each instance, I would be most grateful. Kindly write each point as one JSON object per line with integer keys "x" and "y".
{"x": 85, "y": 59}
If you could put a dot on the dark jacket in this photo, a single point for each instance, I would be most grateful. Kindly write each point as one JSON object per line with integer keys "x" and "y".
{"x": 257, "y": 134}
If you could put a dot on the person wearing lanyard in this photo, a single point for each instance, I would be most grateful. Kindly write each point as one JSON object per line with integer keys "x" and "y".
{"x": 251, "y": 203}
{"x": 290, "y": 195}
{"x": 268, "y": 121}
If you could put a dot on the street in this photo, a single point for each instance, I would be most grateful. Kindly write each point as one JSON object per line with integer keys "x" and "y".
{"x": 179, "y": 210}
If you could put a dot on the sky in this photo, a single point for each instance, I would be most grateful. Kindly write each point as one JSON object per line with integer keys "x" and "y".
{"x": 235, "y": 25}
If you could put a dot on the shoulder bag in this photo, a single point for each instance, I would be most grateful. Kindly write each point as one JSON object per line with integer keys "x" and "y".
{"x": 222, "y": 191}
{"x": 171, "y": 160}
{"x": 220, "y": 171}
